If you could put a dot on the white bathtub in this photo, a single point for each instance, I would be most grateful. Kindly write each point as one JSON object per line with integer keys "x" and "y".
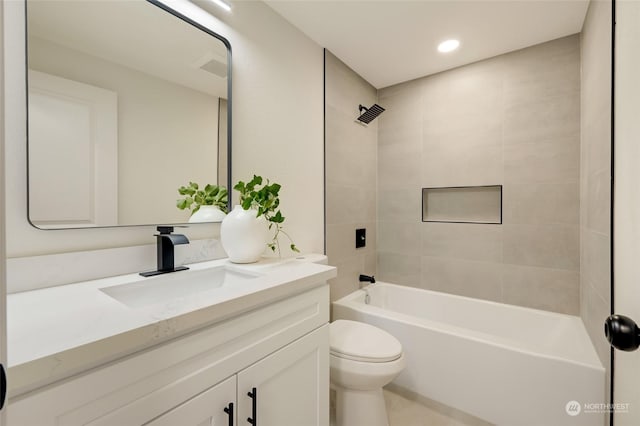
{"x": 505, "y": 364}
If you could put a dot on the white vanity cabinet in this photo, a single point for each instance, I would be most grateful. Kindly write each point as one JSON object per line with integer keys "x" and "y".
{"x": 206, "y": 409}
{"x": 286, "y": 388}
{"x": 281, "y": 349}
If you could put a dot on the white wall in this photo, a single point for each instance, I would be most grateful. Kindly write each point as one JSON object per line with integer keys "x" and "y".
{"x": 278, "y": 114}
{"x": 277, "y": 128}
{"x": 161, "y": 145}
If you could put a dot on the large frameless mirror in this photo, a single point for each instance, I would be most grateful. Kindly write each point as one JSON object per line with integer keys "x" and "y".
{"x": 127, "y": 102}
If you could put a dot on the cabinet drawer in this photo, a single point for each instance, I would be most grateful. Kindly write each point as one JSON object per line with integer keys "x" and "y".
{"x": 162, "y": 377}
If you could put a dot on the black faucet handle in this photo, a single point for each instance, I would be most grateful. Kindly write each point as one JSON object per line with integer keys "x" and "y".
{"x": 166, "y": 229}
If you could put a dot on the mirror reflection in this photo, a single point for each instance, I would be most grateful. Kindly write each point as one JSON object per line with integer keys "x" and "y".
{"x": 127, "y": 103}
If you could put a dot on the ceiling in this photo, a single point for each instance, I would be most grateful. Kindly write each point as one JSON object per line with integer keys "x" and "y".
{"x": 392, "y": 41}
{"x": 145, "y": 38}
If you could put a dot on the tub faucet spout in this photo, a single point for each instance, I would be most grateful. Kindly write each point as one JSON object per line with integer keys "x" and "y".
{"x": 367, "y": 279}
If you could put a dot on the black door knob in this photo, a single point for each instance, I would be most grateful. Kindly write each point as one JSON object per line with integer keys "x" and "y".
{"x": 3, "y": 386}
{"x": 622, "y": 333}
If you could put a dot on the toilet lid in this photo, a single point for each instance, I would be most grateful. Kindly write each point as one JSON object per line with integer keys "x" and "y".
{"x": 362, "y": 342}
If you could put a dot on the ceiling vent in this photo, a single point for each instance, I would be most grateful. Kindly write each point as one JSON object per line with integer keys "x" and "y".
{"x": 214, "y": 63}
{"x": 216, "y": 67}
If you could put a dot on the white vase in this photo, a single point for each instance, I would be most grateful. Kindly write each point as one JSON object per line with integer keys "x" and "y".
{"x": 243, "y": 235}
{"x": 207, "y": 214}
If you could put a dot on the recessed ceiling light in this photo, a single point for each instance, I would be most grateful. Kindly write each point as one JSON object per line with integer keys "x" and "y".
{"x": 222, "y": 5}
{"x": 448, "y": 46}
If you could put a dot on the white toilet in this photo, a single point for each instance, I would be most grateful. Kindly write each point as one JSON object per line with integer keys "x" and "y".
{"x": 363, "y": 358}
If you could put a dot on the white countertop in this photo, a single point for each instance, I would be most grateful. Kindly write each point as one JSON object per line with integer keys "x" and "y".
{"x": 59, "y": 331}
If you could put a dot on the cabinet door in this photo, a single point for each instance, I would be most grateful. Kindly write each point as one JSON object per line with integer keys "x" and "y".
{"x": 291, "y": 385}
{"x": 206, "y": 409}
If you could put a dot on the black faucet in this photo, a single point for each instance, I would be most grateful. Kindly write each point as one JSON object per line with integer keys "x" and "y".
{"x": 166, "y": 241}
{"x": 367, "y": 279}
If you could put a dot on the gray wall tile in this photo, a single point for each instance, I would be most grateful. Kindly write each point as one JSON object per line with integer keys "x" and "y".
{"x": 399, "y": 268}
{"x": 399, "y": 165}
{"x": 351, "y": 152}
{"x": 402, "y": 105}
{"x": 341, "y": 240}
{"x": 350, "y": 204}
{"x": 594, "y": 314}
{"x": 596, "y": 258}
{"x": 542, "y": 288}
{"x": 462, "y": 277}
{"x": 511, "y": 120}
{"x": 555, "y": 203}
{"x": 345, "y": 86}
{"x": 597, "y": 204}
{"x": 479, "y": 127}
{"x": 555, "y": 118}
{"x": 406, "y": 133}
{"x": 596, "y": 139}
{"x": 400, "y": 204}
{"x": 462, "y": 241}
{"x": 543, "y": 162}
{"x": 551, "y": 246}
{"x": 347, "y": 280}
{"x": 371, "y": 263}
{"x": 543, "y": 71}
{"x": 451, "y": 165}
{"x": 399, "y": 237}
{"x": 595, "y": 284}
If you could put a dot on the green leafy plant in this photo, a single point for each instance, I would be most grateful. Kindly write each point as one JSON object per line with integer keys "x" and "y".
{"x": 194, "y": 197}
{"x": 265, "y": 199}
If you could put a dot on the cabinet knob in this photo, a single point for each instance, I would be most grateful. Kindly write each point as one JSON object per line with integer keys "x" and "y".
{"x": 253, "y": 420}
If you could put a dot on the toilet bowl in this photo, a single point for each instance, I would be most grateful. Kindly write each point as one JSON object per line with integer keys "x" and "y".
{"x": 363, "y": 359}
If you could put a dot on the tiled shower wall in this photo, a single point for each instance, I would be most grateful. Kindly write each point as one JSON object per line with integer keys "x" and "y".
{"x": 350, "y": 165}
{"x": 512, "y": 120}
{"x": 595, "y": 176}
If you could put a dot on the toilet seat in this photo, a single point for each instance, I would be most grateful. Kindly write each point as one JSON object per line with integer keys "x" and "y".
{"x": 362, "y": 342}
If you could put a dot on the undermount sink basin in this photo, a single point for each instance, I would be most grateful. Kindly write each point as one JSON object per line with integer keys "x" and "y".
{"x": 176, "y": 285}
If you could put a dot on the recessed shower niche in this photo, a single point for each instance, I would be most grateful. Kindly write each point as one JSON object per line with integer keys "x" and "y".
{"x": 464, "y": 204}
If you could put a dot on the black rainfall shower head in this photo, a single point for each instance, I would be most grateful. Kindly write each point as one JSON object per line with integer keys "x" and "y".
{"x": 369, "y": 114}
